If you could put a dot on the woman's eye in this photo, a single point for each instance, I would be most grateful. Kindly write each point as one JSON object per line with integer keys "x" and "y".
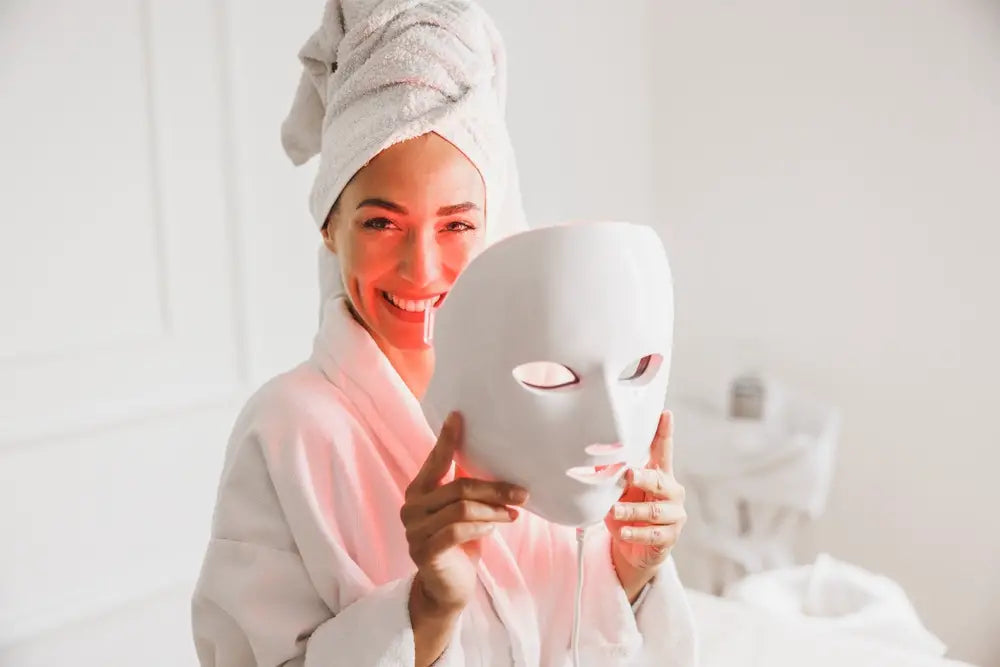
{"x": 377, "y": 223}
{"x": 459, "y": 226}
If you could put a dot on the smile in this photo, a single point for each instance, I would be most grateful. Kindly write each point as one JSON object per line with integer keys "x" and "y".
{"x": 412, "y": 305}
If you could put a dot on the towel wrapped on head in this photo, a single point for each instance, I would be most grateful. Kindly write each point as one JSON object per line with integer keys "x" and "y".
{"x": 379, "y": 72}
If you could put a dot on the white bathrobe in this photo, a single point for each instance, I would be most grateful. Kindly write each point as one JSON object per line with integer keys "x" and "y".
{"x": 308, "y": 562}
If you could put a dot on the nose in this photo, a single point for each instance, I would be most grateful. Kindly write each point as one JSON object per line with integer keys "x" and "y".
{"x": 609, "y": 414}
{"x": 420, "y": 263}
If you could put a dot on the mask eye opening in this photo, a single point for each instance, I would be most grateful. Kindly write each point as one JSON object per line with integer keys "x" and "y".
{"x": 544, "y": 375}
{"x": 642, "y": 369}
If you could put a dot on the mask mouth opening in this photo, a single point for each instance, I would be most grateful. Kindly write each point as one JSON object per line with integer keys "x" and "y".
{"x": 605, "y": 473}
{"x": 605, "y": 449}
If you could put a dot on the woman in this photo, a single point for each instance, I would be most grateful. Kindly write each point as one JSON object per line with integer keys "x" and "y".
{"x": 340, "y": 534}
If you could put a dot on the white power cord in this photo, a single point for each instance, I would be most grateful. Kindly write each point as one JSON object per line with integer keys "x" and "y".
{"x": 580, "y": 536}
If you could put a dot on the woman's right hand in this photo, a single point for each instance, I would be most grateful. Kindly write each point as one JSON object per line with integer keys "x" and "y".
{"x": 445, "y": 523}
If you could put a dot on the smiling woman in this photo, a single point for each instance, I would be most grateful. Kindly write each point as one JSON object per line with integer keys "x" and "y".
{"x": 403, "y": 229}
{"x": 342, "y": 534}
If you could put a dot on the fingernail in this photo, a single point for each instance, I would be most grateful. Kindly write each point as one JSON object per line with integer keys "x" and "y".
{"x": 626, "y": 533}
{"x": 512, "y": 513}
{"x": 620, "y": 511}
{"x": 518, "y": 495}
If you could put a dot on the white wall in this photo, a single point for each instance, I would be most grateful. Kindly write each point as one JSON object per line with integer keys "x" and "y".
{"x": 828, "y": 181}
{"x": 581, "y": 155}
{"x": 147, "y": 286}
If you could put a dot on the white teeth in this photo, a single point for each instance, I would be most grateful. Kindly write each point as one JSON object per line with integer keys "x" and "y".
{"x": 412, "y": 306}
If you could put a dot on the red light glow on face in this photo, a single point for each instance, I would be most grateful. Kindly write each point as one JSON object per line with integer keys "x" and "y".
{"x": 405, "y": 228}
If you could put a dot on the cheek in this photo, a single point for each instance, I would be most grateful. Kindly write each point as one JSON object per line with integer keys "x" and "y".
{"x": 457, "y": 254}
{"x": 365, "y": 257}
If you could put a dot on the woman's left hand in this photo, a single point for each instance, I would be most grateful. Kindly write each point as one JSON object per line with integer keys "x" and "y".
{"x": 648, "y": 518}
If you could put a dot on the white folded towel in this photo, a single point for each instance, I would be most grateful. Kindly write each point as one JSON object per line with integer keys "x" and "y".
{"x": 380, "y": 72}
{"x": 838, "y": 594}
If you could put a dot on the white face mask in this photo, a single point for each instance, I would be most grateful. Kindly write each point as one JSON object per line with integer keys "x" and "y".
{"x": 554, "y": 345}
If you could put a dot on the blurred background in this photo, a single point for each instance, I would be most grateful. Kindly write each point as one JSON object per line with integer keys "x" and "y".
{"x": 825, "y": 177}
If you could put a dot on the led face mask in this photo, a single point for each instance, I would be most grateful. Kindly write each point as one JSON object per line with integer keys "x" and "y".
{"x": 554, "y": 344}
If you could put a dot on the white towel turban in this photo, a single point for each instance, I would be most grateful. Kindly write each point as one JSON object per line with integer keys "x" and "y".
{"x": 378, "y": 72}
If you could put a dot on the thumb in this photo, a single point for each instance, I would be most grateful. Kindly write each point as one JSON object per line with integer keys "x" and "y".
{"x": 661, "y": 451}
{"x": 440, "y": 459}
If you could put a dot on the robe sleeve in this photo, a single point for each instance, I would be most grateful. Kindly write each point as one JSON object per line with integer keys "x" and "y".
{"x": 258, "y": 601}
{"x": 255, "y": 607}
{"x": 659, "y": 632}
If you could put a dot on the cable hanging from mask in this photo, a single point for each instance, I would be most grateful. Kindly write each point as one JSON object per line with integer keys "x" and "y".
{"x": 581, "y": 535}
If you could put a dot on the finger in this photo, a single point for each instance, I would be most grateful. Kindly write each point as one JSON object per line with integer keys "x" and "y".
{"x": 438, "y": 462}
{"x": 467, "y": 488}
{"x": 454, "y": 534}
{"x": 661, "y": 450}
{"x": 659, "y": 483}
{"x": 655, "y": 536}
{"x": 463, "y": 511}
{"x": 660, "y": 513}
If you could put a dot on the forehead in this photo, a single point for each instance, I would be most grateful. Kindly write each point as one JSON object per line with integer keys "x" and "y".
{"x": 425, "y": 169}
{"x": 571, "y": 292}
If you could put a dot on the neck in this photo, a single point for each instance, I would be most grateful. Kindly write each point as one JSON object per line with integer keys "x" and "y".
{"x": 414, "y": 367}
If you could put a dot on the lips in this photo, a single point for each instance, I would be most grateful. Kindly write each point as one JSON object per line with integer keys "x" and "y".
{"x": 413, "y": 304}
{"x": 410, "y": 310}
{"x": 605, "y": 472}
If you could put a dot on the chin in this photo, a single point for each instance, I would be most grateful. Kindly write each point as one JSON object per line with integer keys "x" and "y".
{"x": 398, "y": 335}
{"x": 393, "y": 330}
{"x": 407, "y": 341}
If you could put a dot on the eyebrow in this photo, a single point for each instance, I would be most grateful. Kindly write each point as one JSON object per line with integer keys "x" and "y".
{"x": 396, "y": 208}
{"x": 457, "y": 208}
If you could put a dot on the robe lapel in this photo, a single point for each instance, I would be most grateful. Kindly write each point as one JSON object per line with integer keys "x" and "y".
{"x": 353, "y": 362}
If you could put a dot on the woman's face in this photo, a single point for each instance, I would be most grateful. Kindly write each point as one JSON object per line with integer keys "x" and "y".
{"x": 403, "y": 229}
